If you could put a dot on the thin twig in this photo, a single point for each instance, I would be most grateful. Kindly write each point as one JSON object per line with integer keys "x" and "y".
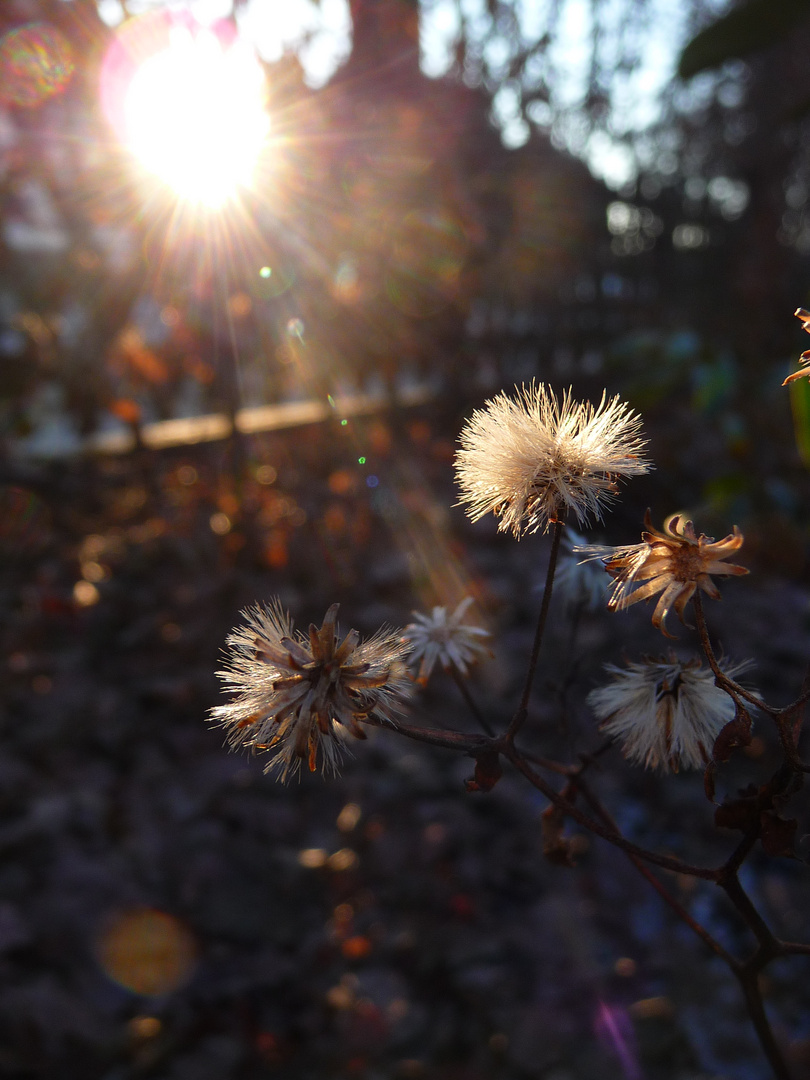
{"x": 551, "y": 764}
{"x": 762, "y": 1026}
{"x": 741, "y": 852}
{"x": 723, "y": 681}
{"x": 470, "y": 701}
{"x": 611, "y": 835}
{"x": 730, "y": 884}
{"x": 450, "y": 740}
{"x": 519, "y": 719}
{"x": 585, "y": 760}
{"x": 662, "y": 891}
{"x": 788, "y": 948}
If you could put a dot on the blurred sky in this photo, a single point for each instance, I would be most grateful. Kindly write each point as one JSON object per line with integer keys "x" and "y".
{"x": 321, "y": 34}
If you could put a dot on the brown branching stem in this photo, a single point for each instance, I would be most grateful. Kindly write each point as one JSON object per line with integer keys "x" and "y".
{"x": 732, "y": 688}
{"x": 646, "y": 873}
{"x": 600, "y": 822}
{"x": 450, "y": 740}
{"x": 519, "y": 719}
{"x": 612, "y": 835}
{"x": 762, "y": 1026}
{"x": 470, "y": 701}
{"x": 768, "y": 946}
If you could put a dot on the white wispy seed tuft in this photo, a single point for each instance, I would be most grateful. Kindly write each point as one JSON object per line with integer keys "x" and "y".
{"x": 445, "y": 638}
{"x": 533, "y": 459}
{"x": 665, "y": 712}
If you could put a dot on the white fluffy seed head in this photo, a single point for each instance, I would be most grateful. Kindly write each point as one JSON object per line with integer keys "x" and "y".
{"x": 666, "y": 713}
{"x": 446, "y": 639}
{"x": 532, "y": 459}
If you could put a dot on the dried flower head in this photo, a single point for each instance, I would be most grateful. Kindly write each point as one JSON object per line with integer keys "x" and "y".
{"x": 445, "y": 638}
{"x": 532, "y": 459}
{"x": 665, "y": 712}
{"x": 674, "y": 562}
{"x": 295, "y": 695}
{"x": 804, "y": 359}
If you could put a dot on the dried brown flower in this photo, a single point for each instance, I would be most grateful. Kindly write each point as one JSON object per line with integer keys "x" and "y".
{"x": 298, "y": 695}
{"x": 674, "y": 562}
{"x": 804, "y": 359}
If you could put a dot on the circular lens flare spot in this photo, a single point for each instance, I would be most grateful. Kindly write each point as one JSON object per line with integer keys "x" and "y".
{"x": 147, "y": 951}
{"x": 189, "y": 102}
{"x": 36, "y": 62}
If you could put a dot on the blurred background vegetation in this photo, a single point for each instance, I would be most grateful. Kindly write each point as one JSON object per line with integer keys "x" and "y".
{"x": 598, "y": 193}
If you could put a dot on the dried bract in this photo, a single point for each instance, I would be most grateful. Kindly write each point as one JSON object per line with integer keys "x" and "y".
{"x": 804, "y": 359}
{"x": 665, "y": 712}
{"x": 533, "y": 459}
{"x": 674, "y": 562}
{"x": 298, "y": 694}
{"x": 445, "y": 638}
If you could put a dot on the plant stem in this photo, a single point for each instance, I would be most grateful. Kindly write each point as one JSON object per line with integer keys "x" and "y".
{"x": 663, "y": 892}
{"x": 722, "y": 680}
{"x": 519, "y": 719}
{"x": 470, "y": 701}
{"x": 450, "y": 740}
{"x": 762, "y": 1025}
{"x": 611, "y": 835}
{"x": 768, "y": 946}
{"x": 730, "y": 884}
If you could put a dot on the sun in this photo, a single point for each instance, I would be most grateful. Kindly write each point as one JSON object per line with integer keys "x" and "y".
{"x": 193, "y": 113}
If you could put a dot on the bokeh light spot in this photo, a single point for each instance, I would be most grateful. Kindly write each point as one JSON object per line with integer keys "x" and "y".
{"x": 341, "y": 482}
{"x": 144, "y": 1027}
{"x": 187, "y": 475}
{"x": 349, "y": 817}
{"x": 220, "y": 524}
{"x": 85, "y": 594}
{"x": 272, "y": 281}
{"x": 361, "y": 461}
{"x": 94, "y": 571}
{"x": 36, "y": 62}
{"x": 356, "y": 948}
{"x": 312, "y": 858}
{"x": 345, "y": 859}
{"x": 147, "y": 951}
{"x": 266, "y": 474}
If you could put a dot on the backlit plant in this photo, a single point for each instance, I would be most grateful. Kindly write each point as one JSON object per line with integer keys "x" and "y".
{"x": 537, "y": 462}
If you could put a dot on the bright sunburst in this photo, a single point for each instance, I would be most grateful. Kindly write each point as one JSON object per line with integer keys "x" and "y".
{"x": 193, "y": 112}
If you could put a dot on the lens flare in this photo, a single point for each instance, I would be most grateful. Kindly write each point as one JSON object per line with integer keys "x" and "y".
{"x": 147, "y": 951}
{"x": 36, "y": 62}
{"x": 189, "y": 101}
